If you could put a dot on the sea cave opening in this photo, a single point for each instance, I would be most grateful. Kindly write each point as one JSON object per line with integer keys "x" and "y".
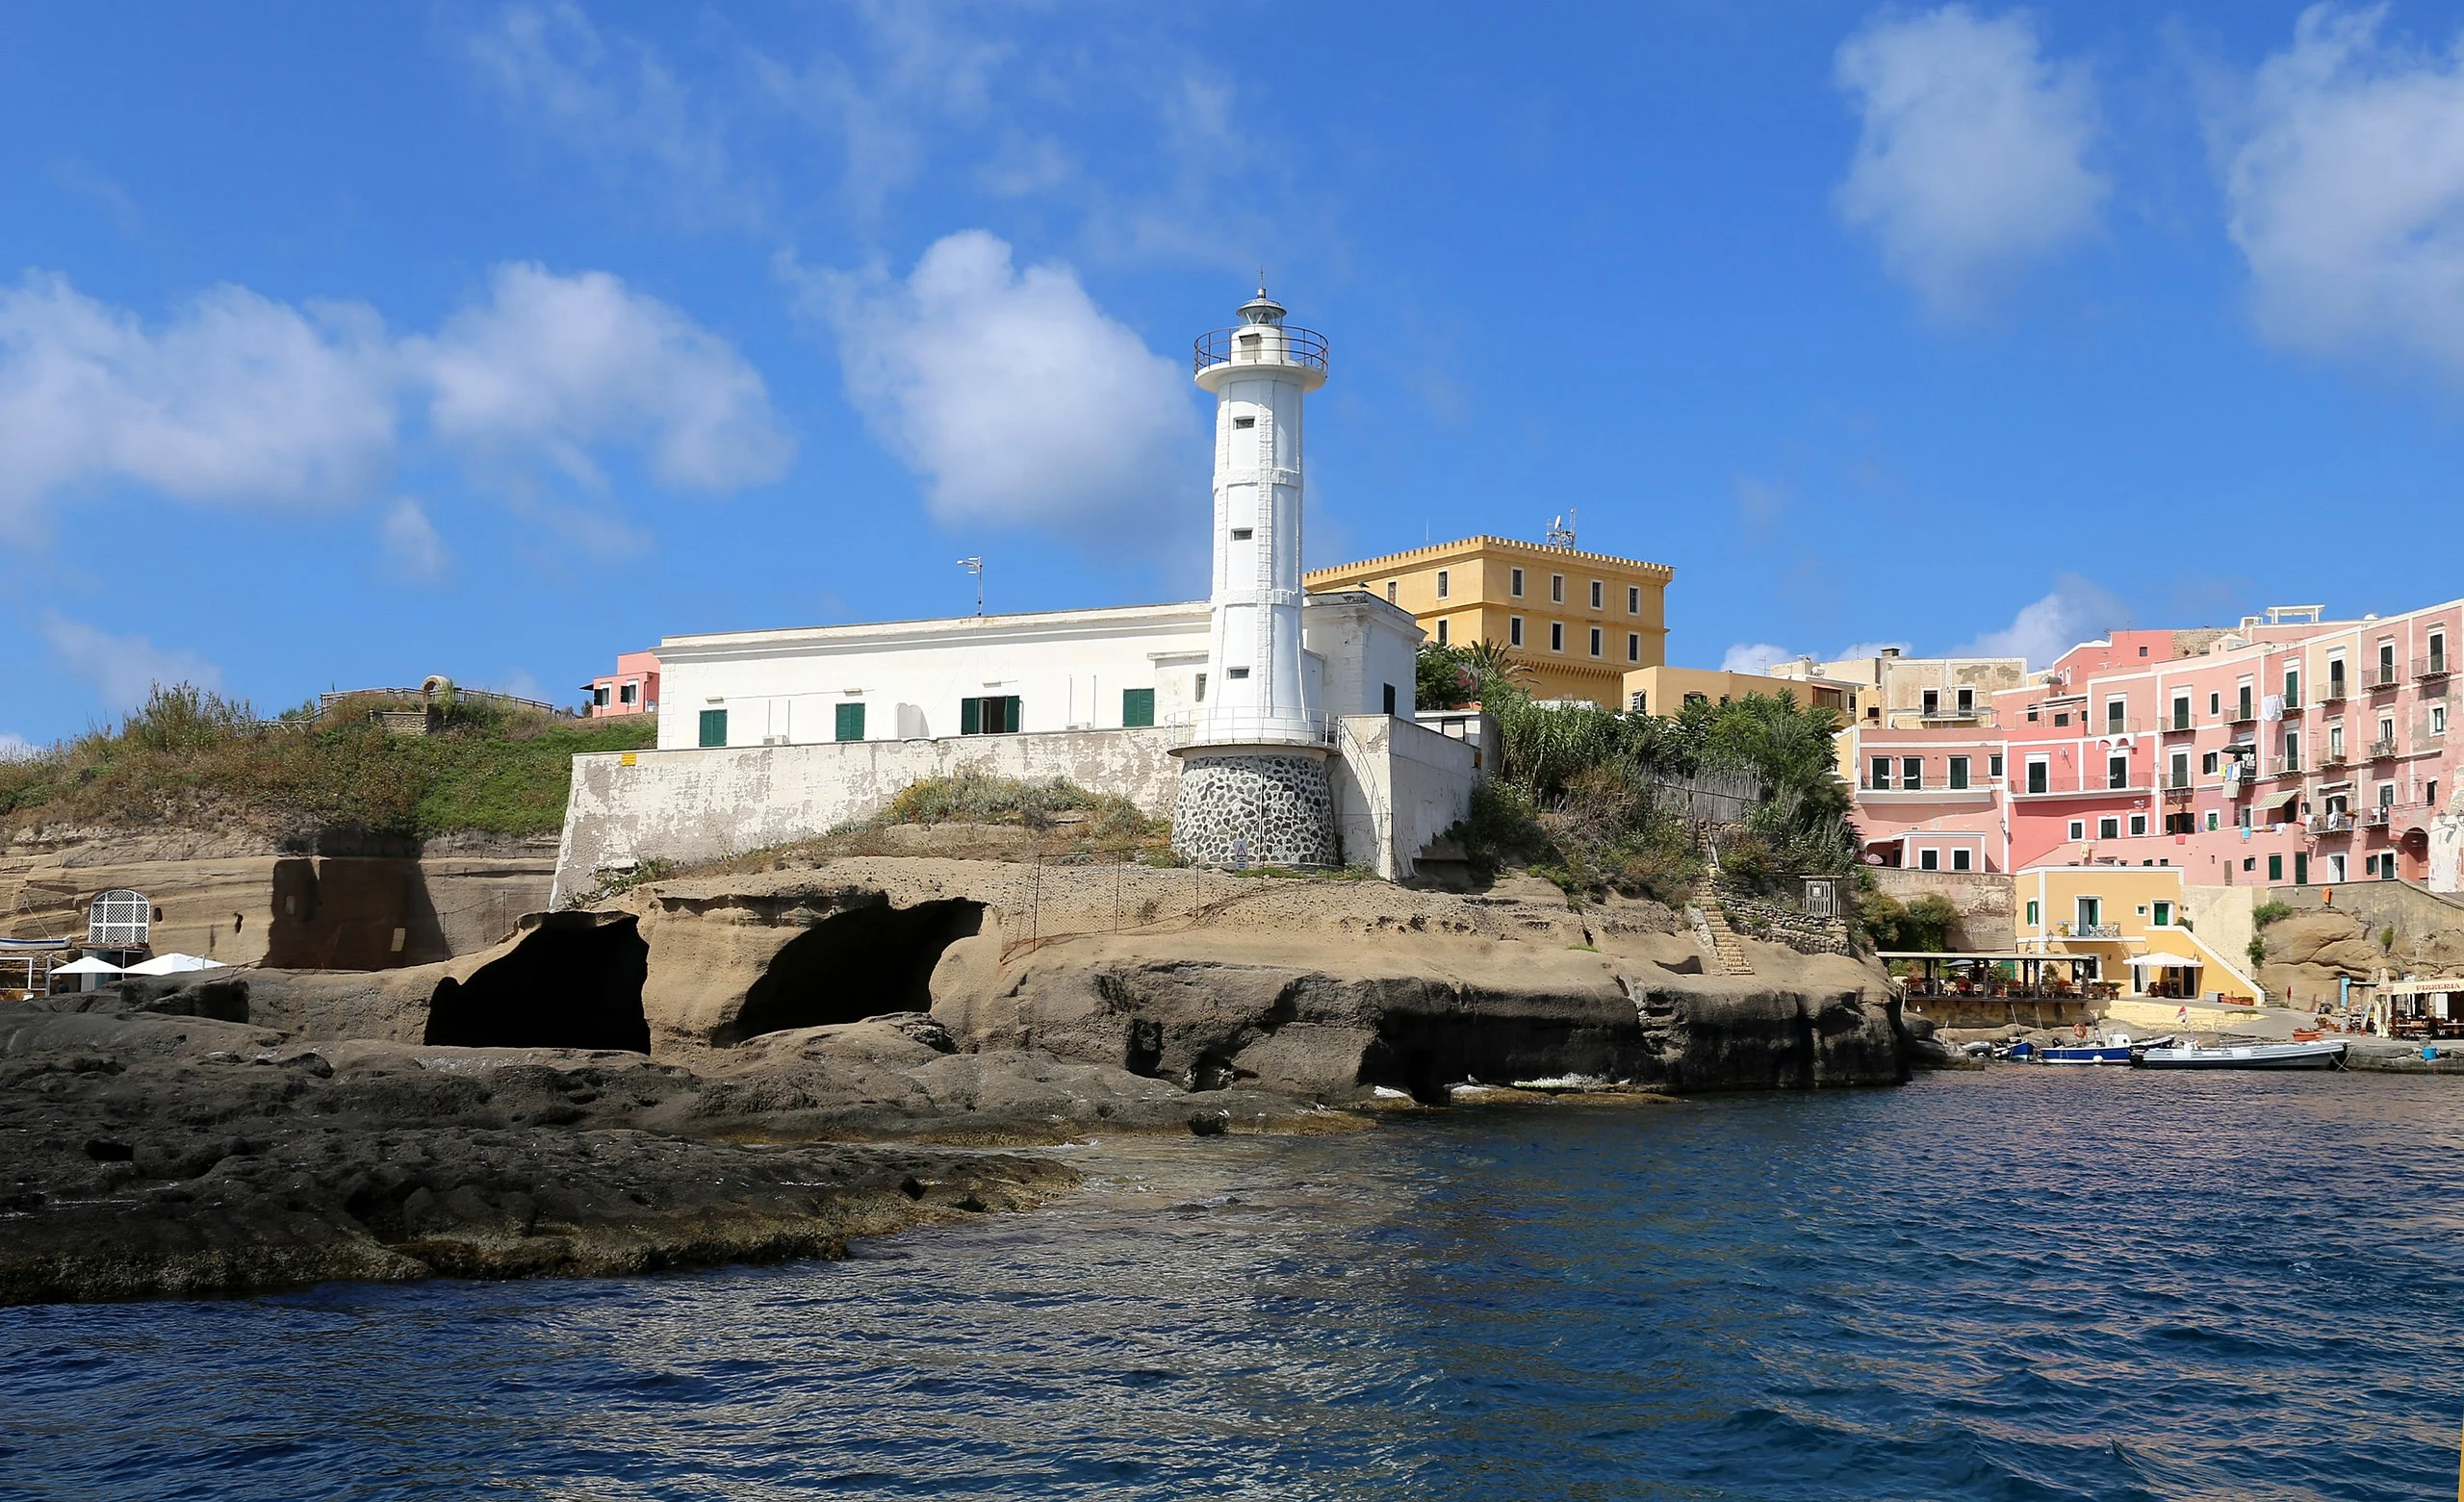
{"x": 855, "y": 964}
{"x": 574, "y": 982}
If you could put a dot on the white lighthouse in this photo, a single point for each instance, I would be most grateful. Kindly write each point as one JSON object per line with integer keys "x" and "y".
{"x": 1253, "y": 777}
{"x": 1259, "y": 371}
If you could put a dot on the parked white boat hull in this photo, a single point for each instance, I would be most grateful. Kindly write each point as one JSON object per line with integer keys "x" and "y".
{"x": 2325, "y": 1054}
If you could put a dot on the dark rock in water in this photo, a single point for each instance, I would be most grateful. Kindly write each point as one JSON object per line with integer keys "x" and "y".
{"x": 1210, "y": 1124}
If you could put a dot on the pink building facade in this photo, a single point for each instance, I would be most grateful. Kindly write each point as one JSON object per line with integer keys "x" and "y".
{"x": 2288, "y": 751}
{"x": 632, "y": 689}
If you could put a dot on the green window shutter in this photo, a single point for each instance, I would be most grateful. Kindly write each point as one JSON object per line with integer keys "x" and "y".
{"x": 714, "y": 728}
{"x": 1011, "y": 719}
{"x": 851, "y": 722}
{"x": 970, "y": 717}
{"x": 2276, "y": 867}
{"x": 1136, "y": 707}
{"x": 2300, "y": 868}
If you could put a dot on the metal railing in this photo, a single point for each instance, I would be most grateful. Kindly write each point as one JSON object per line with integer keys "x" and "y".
{"x": 2333, "y": 693}
{"x": 2381, "y": 677}
{"x": 1248, "y": 729}
{"x": 2376, "y": 816}
{"x": 2238, "y": 715}
{"x": 2336, "y": 823}
{"x": 2177, "y": 724}
{"x": 2177, "y": 783}
{"x": 1260, "y": 344}
{"x": 2087, "y": 930}
{"x": 2285, "y": 767}
{"x": 2431, "y": 667}
{"x": 2382, "y": 749}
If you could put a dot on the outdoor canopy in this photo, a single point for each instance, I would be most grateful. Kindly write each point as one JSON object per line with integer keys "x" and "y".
{"x": 2168, "y": 961}
{"x": 172, "y": 964}
{"x": 88, "y": 966}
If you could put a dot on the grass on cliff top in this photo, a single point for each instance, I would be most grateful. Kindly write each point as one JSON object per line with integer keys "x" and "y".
{"x": 192, "y": 759}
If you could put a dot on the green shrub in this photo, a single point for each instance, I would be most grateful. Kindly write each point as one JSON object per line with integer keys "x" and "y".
{"x": 2266, "y": 913}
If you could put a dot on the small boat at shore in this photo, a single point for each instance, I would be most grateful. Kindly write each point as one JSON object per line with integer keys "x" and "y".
{"x": 2322, "y": 1054}
{"x": 2111, "y": 1049}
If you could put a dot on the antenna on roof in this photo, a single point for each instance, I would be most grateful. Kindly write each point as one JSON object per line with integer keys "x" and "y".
{"x": 975, "y": 566}
{"x": 1561, "y": 529}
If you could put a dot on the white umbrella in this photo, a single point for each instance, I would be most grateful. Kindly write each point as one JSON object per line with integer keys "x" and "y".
{"x": 2168, "y": 961}
{"x": 88, "y": 966}
{"x": 172, "y": 964}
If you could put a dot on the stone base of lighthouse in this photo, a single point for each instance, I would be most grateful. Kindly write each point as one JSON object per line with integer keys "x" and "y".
{"x": 1279, "y": 799}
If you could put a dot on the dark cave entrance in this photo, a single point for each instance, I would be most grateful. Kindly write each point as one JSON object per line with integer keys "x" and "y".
{"x": 575, "y": 982}
{"x": 855, "y": 964}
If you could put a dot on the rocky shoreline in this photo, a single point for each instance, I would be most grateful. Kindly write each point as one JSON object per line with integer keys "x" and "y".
{"x": 765, "y": 1068}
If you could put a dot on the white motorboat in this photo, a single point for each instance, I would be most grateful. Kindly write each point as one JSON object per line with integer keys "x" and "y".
{"x": 2325, "y": 1054}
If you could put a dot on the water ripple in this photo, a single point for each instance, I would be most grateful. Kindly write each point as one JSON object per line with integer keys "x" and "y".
{"x": 2016, "y": 1285}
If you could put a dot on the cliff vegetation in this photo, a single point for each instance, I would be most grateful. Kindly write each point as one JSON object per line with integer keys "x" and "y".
{"x": 191, "y": 758}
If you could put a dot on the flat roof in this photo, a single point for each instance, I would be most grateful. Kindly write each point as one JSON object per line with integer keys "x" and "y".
{"x": 1981, "y": 954}
{"x": 1481, "y": 542}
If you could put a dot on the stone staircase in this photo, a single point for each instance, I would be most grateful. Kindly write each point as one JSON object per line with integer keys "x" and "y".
{"x": 1712, "y": 927}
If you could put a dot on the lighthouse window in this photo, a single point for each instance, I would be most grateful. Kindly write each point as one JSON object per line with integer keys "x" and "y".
{"x": 1235, "y": 672}
{"x": 1241, "y": 534}
{"x": 1245, "y": 423}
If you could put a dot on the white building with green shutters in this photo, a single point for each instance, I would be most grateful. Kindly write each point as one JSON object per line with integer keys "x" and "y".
{"x": 1123, "y": 668}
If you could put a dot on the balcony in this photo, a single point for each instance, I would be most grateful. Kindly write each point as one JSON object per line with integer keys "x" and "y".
{"x": 2376, "y": 816}
{"x": 2333, "y": 756}
{"x": 2431, "y": 666}
{"x": 2126, "y": 725}
{"x": 2284, "y": 767}
{"x": 2087, "y": 930}
{"x": 2382, "y": 749}
{"x": 2179, "y": 725}
{"x": 2336, "y": 823}
{"x": 2178, "y": 781}
{"x": 1936, "y": 793}
{"x": 2379, "y": 679}
{"x": 2241, "y": 714}
{"x": 2333, "y": 693}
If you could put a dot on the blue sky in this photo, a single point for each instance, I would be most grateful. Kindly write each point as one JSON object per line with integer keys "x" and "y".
{"x": 340, "y": 346}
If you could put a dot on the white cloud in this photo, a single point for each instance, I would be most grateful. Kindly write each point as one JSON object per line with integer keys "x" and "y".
{"x": 411, "y": 542}
{"x": 2344, "y": 183}
{"x": 1012, "y": 394}
{"x": 2078, "y": 610}
{"x": 123, "y": 669}
{"x": 555, "y": 365}
{"x": 17, "y": 748}
{"x": 243, "y": 400}
{"x": 1755, "y": 657}
{"x": 239, "y": 398}
{"x": 1971, "y": 159}
{"x": 612, "y": 100}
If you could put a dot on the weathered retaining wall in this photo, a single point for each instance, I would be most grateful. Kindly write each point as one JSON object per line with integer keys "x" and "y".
{"x": 696, "y": 805}
{"x": 1777, "y": 923}
{"x": 1983, "y": 898}
{"x": 1397, "y": 786}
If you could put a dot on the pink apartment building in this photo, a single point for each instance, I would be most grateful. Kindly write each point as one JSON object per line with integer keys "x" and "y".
{"x": 632, "y": 689}
{"x": 2288, "y": 751}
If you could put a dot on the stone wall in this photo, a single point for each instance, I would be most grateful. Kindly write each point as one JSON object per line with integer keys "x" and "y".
{"x": 1987, "y": 918}
{"x": 705, "y": 804}
{"x": 1778, "y": 923}
{"x": 1256, "y": 808}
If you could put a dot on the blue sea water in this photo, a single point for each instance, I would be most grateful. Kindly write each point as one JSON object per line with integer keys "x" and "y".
{"x": 2021, "y": 1283}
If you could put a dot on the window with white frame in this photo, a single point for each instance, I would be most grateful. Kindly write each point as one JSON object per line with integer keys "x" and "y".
{"x": 1928, "y": 860}
{"x": 2078, "y": 828}
{"x": 1960, "y": 860}
{"x": 2138, "y": 823}
{"x": 1514, "y": 582}
{"x": 2109, "y": 827}
{"x": 1558, "y": 588}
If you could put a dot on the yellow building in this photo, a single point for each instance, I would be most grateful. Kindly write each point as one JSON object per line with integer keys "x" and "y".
{"x": 2137, "y": 922}
{"x": 1578, "y": 620}
{"x": 1666, "y": 691}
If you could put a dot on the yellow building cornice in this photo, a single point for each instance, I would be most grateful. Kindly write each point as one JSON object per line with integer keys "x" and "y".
{"x": 1472, "y": 546}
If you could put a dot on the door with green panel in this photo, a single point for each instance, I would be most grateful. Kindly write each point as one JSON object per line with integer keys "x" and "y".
{"x": 851, "y": 723}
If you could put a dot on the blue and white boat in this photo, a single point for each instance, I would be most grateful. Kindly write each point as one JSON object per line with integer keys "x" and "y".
{"x": 2109, "y": 1049}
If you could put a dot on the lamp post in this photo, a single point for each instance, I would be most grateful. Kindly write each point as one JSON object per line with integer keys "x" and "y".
{"x": 975, "y": 566}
